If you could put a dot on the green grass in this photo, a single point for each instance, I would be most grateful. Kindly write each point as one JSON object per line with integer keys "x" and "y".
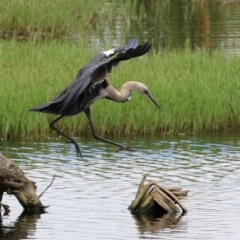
{"x": 58, "y": 18}
{"x": 197, "y": 91}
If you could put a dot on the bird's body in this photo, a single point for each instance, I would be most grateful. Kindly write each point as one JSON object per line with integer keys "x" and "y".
{"x": 91, "y": 84}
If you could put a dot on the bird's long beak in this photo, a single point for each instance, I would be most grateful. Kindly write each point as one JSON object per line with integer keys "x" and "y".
{"x": 152, "y": 99}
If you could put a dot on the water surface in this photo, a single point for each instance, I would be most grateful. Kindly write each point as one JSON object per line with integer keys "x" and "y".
{"x": 90, "y": 196}
{"x": 208, "y": 24}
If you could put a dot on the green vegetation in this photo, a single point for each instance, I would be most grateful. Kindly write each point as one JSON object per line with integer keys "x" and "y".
{"x": 58, "y": 18}
{"x": 197, "y": 91}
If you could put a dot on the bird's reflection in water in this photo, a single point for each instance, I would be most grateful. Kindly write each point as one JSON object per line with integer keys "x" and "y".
{"x": 154, "y": 224}
{"x": 24, "y": 226}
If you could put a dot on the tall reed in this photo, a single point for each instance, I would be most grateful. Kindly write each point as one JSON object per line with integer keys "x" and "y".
{"x": 197, "y": 91}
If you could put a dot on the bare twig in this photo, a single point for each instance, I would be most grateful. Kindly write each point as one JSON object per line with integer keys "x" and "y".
{"x": 54, "y": 176}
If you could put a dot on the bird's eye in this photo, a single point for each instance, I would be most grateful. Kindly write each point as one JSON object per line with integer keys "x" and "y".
{"x": 145, "y": 91}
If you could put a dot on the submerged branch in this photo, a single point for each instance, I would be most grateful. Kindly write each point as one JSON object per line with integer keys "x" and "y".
{"x": 48, "y": 186}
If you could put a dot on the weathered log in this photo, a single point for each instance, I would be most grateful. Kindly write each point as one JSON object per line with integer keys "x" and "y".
{"x": 155, "y": 199}
{"x": 14, "y": 182}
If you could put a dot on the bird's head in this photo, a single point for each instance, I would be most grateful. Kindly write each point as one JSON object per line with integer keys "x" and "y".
{"x": 147, "y": 94}
{"x": 143, "y": 89}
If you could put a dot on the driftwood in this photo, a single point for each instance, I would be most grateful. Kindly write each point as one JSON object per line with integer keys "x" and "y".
{"x": 14, "y": 182}
{"x": 155, "y": 199}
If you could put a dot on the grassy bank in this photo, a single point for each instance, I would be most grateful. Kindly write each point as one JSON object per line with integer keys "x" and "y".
{"x": 197, "y": 91}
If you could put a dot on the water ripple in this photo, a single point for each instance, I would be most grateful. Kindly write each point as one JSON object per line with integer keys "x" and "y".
{"x": 90, "y": 196}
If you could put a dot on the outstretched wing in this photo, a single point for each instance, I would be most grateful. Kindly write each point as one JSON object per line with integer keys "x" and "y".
{"x": 122, "y": 56}
{"x": 96, "y": 70}
{"x": 132, "y": 44}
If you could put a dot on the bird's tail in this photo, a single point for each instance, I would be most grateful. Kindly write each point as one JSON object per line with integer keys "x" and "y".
{"x": 46, "y": 108}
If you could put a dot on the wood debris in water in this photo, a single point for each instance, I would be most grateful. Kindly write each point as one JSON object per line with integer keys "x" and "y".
{"x": 153, "y": 198}
{"x": 14, "y": 182}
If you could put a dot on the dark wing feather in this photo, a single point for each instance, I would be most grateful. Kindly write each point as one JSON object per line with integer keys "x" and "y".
{"x": 123, "y": 56}
{"x": 132, "y": 44}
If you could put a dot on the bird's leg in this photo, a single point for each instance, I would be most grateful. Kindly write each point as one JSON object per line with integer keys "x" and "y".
{"x": 88, "y": 113}
{"x": 52, "y": 126}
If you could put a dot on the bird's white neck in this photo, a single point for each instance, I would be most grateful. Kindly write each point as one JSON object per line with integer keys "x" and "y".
{"x": 125, "y": 92}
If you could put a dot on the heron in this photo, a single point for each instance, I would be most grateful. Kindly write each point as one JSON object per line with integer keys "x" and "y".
{"x": 91, "y": 84}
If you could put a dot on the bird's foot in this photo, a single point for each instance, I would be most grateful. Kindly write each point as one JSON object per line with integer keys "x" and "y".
{"x": 79, "y": 154}
{"x": 128, "y": 148}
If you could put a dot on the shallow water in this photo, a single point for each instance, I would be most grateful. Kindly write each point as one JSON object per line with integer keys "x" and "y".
{"x": 168, "y": 25}
{"x": 90, "y": 196}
